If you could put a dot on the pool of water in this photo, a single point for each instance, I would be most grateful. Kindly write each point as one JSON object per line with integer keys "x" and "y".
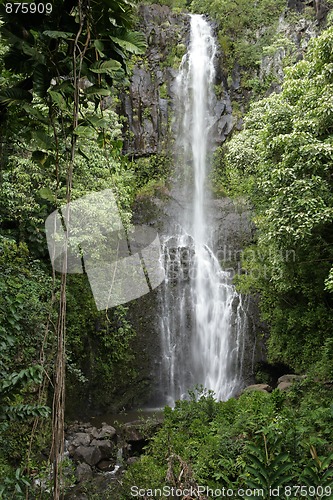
{"x": 127, "y": 416}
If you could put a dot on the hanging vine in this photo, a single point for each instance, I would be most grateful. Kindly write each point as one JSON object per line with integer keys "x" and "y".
{"x": 68, "y": 57}
{"x": 58, "y": 413}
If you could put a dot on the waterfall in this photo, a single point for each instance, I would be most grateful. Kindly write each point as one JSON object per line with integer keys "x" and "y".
{"x": 202, "y": 316}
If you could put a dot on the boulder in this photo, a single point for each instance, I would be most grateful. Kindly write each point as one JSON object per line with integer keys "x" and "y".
{"x": 105, "y": 465}
{"x": 258, "y": 387}
{"x": 80, "y": 439}
{"x": 91, "y": 455}
{"x": 132, "y": 460}
{"x": 90, "y": 446}
{"x": 83, "y": 472}
{"x": 284, "y": 386}
{"x": 105, "y": 446}
{"x": 291, "y": 378}
{"x": 132, "y": 431}
{"x": 136, "y": 436}
{"x": 107, "y": 431}
{"x": 137, "y": 431}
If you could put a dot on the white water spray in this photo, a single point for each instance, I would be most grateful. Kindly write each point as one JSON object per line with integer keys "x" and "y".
{"x": 203, "y": 321}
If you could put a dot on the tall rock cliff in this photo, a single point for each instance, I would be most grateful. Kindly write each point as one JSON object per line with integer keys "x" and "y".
{"x": 148, "y": 103}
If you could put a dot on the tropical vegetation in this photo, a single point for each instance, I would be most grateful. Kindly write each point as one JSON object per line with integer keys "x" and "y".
{"x": 61, "y": 138}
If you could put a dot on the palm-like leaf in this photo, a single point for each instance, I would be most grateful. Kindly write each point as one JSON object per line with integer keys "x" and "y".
{"x": 131, "y": 41}
{"x": 14, "y": 95}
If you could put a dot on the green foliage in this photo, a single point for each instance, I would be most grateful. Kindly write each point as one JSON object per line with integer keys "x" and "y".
{"x": 282, "y": 160}
{"x": 99, "y": 350}
{"x": 40, "y": 44}
{"x": 25, "y": 286}
{"x": 13, "y": 483}
{"x": 318, "y": 472}
{"x": 265, "y": 472}
{"x": 41, "y": 50}
{"x": 245, "y": 27}
{"x": 42, "y": 57}
{"x": 10, "y": 387}
{"x": 152, "y": 168}
{"x": 258, "y": 441}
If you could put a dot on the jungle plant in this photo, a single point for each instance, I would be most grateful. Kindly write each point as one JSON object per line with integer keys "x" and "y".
{"x": 318, "y": 475}
{"x": 283, "y": 159}
{"x": 65, "y": 59}
{"x": 266, "y": 468}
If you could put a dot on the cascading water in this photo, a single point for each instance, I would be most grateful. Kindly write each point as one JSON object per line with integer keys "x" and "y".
{"x": 203, "y": 320}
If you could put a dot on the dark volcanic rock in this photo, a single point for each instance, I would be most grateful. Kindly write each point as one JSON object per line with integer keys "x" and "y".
{"x": 83, "y": 472}
{"x": 148, "y": 104}
{"x": 90, "y": 455}
{"x": 91, "y": 445}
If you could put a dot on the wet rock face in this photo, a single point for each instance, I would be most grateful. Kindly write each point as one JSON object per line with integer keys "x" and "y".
{"x": 320, "y": 6}
{"x": 135, "y": 438}
{"x": 148, "y": 103}
{"x": 299, "y": 34}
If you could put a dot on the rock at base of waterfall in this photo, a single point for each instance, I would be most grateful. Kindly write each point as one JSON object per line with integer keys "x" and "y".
{"x": 107, "y": 431}
{"x": 136, "y": 431}
{"x": 83, "y": 472}
{"x": 291, "y": 378}
{"x": 90, "y": 455}
{"x": 105, "y": 446}
{"x": 258, "y": 387}
{"x": 136, "y": 436}
{"x": 284, "y": 386}
{"x": 105, "y": 465}
{"x": 81, "y": 439}
{"x": 89, "y": 445}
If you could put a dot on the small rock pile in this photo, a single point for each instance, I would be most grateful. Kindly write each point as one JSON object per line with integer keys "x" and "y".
{"x": 94, "y": 450}
{"x": 91, "y": 448}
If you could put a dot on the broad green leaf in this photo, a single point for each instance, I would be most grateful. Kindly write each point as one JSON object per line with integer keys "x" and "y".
{"x": 100, "y": 47}
{"x": 132, "y": 42}
{"x": 280, "y": 458}
{"x": 107, "y": 67}
{"x": 36, "y": 113}
{"x": 98, "y": 122}
{"x": 82, "y": 153}
{"x": 46, "y": 194}
{"x": 260, "y": 475}
{"x": 327, "y": 462}
{"x": 280, "y": 471}
{"x": 41, "y": 79}
{"x": 97, "y": 91}
{"x": 58, "y": 99}
{"x": 84, "y": 131}
{"x": 43, "y": 140}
